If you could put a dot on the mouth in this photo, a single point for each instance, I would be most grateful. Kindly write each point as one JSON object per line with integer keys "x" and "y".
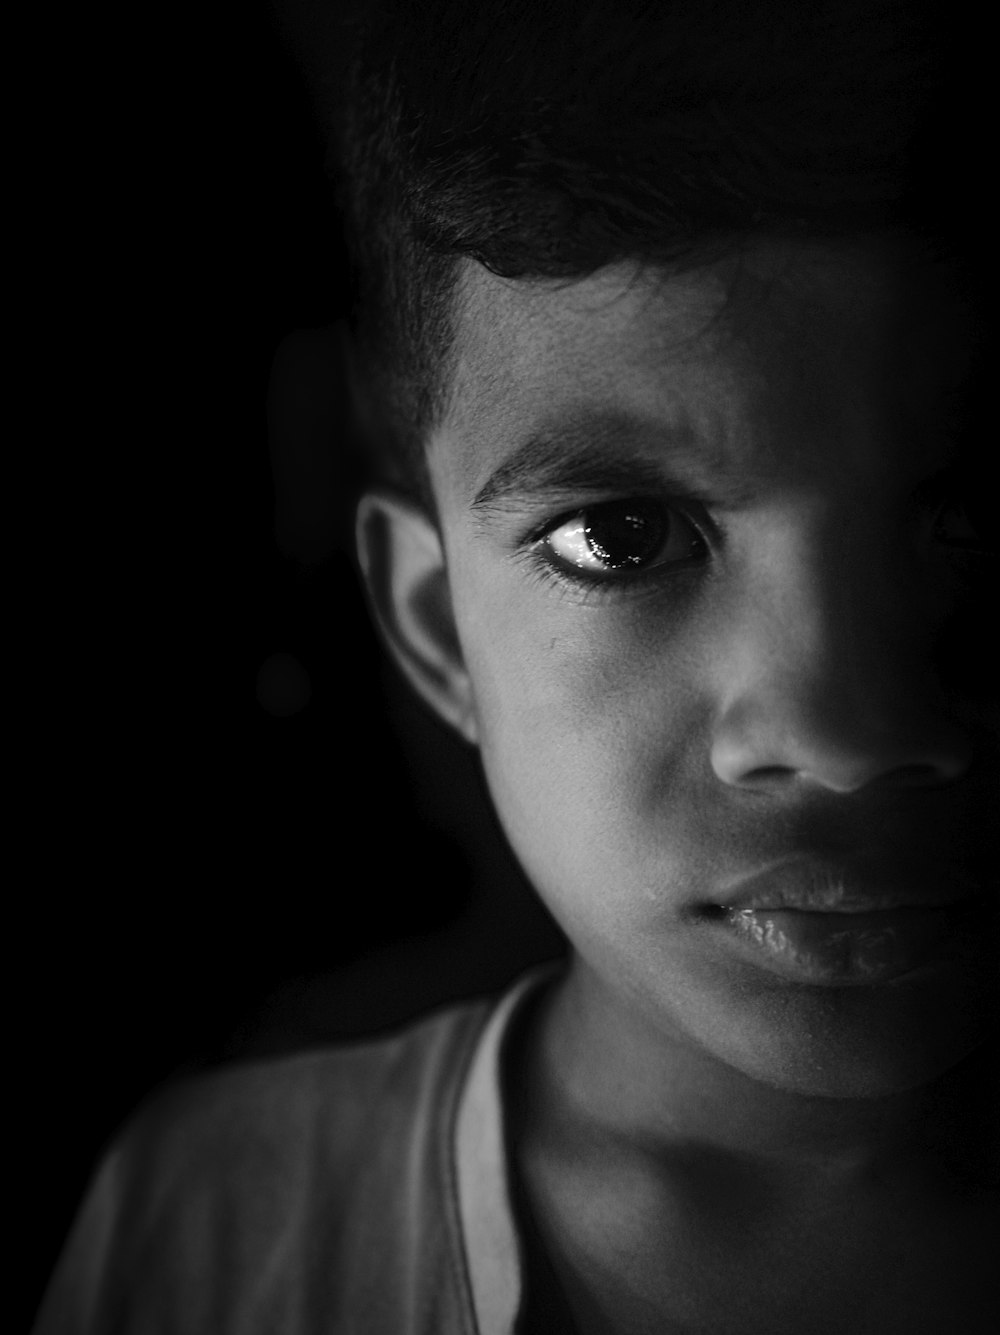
{"x": 814, "y": 923}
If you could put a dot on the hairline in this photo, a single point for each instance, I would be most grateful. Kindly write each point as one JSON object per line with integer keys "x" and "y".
{"x": 700, "y": 255}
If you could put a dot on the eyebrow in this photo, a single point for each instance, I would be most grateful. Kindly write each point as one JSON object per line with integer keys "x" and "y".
{"x": 599, "y": 453}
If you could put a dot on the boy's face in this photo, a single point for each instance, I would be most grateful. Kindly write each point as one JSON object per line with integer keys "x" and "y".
{"x": 708, "y": 588}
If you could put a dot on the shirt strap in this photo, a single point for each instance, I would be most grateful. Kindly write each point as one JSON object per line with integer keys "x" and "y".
{"x": 492, "y": 1247}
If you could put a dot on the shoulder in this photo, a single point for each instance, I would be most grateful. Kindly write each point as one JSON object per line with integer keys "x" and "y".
{"x": 305, "y": 1135}
{"x": 315, "y": 1102}
{"x": 319, "y": 1183}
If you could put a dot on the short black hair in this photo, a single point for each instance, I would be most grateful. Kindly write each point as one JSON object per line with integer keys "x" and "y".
{"x": 548, "y": 138}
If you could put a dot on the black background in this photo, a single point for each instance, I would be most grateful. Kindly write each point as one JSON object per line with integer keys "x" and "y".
{"x": 192, "y": 879}
{"x": 205, "y": 880}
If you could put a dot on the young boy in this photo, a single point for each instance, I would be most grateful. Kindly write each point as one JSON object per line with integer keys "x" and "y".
{"x": 669, "y": 352}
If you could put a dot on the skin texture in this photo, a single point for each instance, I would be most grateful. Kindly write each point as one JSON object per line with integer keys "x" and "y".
{"x": 776, "y": 682}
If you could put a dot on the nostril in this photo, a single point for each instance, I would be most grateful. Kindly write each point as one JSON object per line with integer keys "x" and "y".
{"x": 769, "y": 774}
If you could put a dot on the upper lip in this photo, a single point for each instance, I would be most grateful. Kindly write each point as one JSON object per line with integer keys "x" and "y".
{"x": 816, "y": 885}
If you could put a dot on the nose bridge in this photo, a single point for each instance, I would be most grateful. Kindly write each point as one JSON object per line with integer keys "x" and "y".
{"x": 839, "y": 624}
{"x": 826, "y": 679}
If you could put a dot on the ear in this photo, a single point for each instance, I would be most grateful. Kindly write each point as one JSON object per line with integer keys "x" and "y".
{"x": 403, "y": 564}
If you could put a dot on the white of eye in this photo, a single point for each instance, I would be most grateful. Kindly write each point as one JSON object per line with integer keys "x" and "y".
{"x": 571, "y": 544}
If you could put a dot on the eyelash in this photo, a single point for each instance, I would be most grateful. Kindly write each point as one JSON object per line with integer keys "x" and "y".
{"x": 546, "y": 565}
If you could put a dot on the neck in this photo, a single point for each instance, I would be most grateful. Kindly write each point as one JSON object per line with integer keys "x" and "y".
{"x": 605, "y": 1072}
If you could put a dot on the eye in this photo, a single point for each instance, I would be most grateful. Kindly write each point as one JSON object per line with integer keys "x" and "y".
{"x": 617, "y": 537}
{"x": 957, "y": 525}
{"x": 961, "y": 518}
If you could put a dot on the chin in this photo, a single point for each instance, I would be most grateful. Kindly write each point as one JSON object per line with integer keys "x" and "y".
{"x": 860, "y": 1042}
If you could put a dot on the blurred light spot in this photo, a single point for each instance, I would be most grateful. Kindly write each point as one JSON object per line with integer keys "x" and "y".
{"x": 283, "y": 686}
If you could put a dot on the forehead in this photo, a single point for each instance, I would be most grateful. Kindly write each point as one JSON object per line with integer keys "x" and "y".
{"x": 859, "y": 346}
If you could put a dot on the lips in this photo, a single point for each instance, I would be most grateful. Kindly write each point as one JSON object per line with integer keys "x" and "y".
{"x": 814, "y": 922}
{"x": 871, "y": 886}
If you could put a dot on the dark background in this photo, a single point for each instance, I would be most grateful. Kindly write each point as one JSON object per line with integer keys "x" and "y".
{"x": 243, "y": 836}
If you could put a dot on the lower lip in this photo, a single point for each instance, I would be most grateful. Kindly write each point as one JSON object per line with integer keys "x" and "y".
{"x": 843, "y": 949}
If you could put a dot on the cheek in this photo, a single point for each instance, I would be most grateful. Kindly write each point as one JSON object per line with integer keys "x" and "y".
{"x": 592, "y": 736}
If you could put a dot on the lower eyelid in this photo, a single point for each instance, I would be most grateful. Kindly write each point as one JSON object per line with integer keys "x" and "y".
{"x": 584, "y": 588}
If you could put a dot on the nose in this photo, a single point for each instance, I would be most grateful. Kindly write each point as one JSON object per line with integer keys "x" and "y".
{"x": 822, "y": 681}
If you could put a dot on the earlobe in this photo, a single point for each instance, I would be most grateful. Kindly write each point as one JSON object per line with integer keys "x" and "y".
{"x": 403, "y": 564}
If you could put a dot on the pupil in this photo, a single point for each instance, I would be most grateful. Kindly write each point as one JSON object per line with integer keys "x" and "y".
{"x": 625, "y": 535}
